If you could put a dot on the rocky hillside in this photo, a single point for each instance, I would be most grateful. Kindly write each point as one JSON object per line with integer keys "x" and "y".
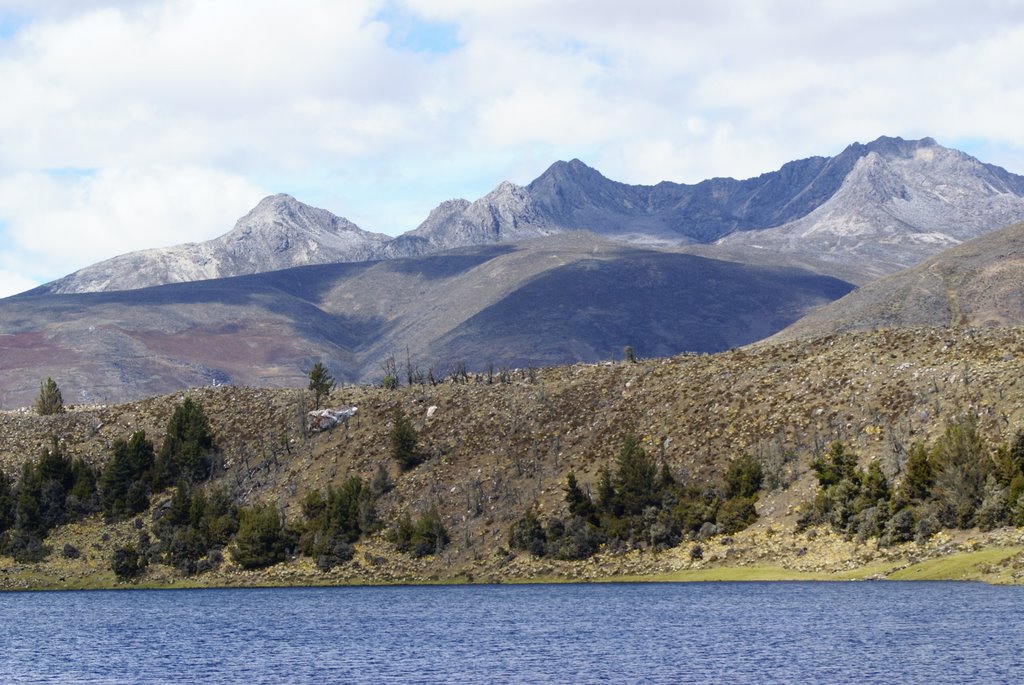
{"x": 280, "y": 232}
{"x": 975, "y": 284}
{"x": 500, "y": 446}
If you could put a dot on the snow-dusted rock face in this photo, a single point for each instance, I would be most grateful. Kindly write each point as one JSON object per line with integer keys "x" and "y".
{"x": 280, "y": 232}
{"x": 901, "y": 202}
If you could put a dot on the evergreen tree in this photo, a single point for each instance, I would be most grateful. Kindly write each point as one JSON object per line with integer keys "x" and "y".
{"x": 962, "y": 467}
{"x": 920, "y": 475}
{"x": 404, "y": 442}
{"x": 49, "y": 400}
{"x": 187, "y": 447}
{"x": 635, "y": 478}
{"x": 427, "y": 535}
{"x": 7, "y": 505}
{"x": 605, "y": 491}
{"x": 260, "y": 540}
{"x": 320, "y": 383}
{"x": 578, "y": 501}
{"x": 837, "y": 465}
{"x": 123, "y": 485}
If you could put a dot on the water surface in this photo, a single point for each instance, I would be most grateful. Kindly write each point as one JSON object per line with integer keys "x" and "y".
{"x": 883, "y": 632}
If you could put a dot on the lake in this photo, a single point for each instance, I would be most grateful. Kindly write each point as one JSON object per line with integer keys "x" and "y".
{"x": 867, "y": 632}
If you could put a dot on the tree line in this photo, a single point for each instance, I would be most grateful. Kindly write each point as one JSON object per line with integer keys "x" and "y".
{"x": 639, "y": 503}
{"x": 956, "y": 482}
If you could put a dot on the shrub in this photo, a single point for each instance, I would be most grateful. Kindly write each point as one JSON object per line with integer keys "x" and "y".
{"x": 575, "y": 539}
{"x": 528, "y": 534}
{"x": 426, "y": 536}
{"x": 260, "y": 540}
{"x": 743, "y": 477}
{"x": 735, "y": 514}
{"x": 127, "y": 563}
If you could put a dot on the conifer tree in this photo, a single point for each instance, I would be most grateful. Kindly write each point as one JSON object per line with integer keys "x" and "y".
{"x": 49, "y": 400}
{"x": 320, "y": 383}
{"x": 404, "y": 442}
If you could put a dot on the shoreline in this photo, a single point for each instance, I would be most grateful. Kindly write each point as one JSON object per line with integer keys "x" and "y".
{"x": 986, "y": 565}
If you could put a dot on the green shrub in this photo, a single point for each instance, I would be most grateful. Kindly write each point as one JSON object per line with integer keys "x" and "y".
{"x": 261, "y": 539}
{"x": 528, "y": 534}
{"x": 743, "y": 477}
{"x": 426, "y": 536}
{"x": 127, "y": 563}
{"x": 735, "y": 514}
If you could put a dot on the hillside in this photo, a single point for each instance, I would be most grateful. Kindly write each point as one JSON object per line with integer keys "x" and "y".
{"x": 499, "y": 448}
{"x": 562, "y": 299}
{"x": 976, "y": 284}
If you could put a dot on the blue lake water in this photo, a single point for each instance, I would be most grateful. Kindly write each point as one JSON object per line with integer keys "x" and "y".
{"x": 620, "y": 633}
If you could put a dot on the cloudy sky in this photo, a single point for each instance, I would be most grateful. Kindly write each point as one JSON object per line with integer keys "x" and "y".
{"x": 140, "y": 123}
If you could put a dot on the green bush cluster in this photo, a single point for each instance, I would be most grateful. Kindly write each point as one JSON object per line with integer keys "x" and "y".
{"x": 640, "y": 504}
{"x": 126, "y": 483}
{"x": 188, "y": 448}
{"x": 127, "y": 563}
{"x": 193, "y": 525}
{"x": 956, "y": 483}
{"x": 51, "y": 490}
{"x": 335, "y": 520}
{"x": 262, "y": 538}
{"x": 426, "y": 535}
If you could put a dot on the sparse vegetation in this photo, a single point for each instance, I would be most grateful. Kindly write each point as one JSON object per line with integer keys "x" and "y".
{"x": 536, "y": 461}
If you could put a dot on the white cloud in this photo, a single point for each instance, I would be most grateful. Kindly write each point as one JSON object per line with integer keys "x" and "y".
{"x": 54, "y": 225}
{"x": 379, "y": 122}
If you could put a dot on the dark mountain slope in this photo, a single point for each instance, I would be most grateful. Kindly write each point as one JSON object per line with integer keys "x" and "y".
{"x": 661, "y": 307}
{"x": 565, "y": 298}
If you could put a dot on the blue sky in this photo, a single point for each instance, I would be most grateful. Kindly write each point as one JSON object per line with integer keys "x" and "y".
{"x": 130, "y": 124}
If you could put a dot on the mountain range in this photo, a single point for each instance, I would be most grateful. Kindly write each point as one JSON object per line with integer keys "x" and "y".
{"x": 572, "y": 267}
{"x": 869, "y": 211}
